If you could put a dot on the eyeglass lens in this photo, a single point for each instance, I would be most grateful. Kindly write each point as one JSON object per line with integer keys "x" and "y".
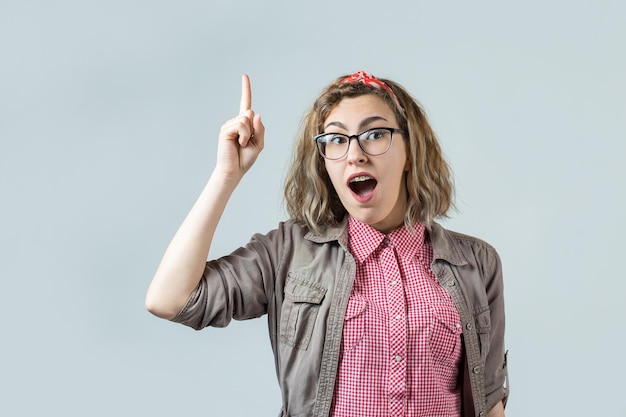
{"x": 372, "y": 142}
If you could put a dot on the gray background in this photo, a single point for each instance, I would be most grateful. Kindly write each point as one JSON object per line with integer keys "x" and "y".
{"x": 109, "y": 113}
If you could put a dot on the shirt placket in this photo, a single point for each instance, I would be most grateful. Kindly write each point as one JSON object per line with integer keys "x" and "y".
{"x": 396, "y": 304}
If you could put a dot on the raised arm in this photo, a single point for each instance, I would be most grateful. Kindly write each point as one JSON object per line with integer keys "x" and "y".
{"x": 241, "y": 139}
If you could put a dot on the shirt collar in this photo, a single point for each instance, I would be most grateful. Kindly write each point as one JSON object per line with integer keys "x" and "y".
{"x": 364, "y": 240}
{"x": 445, "y": 247}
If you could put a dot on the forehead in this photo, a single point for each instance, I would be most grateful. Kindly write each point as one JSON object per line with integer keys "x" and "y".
{"x": 350, "y": 111}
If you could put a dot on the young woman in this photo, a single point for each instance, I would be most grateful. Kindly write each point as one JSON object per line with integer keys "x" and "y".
{"x": 374, "y": 309}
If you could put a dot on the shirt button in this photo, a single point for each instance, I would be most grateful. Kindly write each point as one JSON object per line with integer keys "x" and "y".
{"x": 386, "y": 241}
{"x": 398, "y": 358}
{"x": 457, "y": 325}
{"x": 393, "y": 283}
{"x": 398, "y": 317}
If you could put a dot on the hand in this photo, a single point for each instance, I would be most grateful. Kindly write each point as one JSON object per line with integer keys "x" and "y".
{"x": 241, "y": 138}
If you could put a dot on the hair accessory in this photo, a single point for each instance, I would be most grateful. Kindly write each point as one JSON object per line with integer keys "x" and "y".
{"x": 368, "y": 79}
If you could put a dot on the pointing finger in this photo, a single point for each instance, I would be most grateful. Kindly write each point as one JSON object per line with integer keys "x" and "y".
{"x": 246, "y": 95}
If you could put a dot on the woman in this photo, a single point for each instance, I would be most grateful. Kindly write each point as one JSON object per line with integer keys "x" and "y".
{"x": 373, "y": 308}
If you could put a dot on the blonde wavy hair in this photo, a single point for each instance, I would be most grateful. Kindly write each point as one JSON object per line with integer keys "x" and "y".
{"x": 309, "y": 194}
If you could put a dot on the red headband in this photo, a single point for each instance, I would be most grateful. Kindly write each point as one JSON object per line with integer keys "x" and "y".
{"x": 371, "y": 81}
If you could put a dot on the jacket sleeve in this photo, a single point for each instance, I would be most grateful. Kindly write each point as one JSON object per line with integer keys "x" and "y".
{"x": 496, "y": 373}
{"x": 237, "y": 286}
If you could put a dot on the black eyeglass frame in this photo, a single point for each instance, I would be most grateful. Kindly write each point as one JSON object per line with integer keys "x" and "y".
{"x": 391, "y": 130}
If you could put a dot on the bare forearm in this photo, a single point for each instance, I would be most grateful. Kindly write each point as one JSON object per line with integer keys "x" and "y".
{"x": 183, "y": 263}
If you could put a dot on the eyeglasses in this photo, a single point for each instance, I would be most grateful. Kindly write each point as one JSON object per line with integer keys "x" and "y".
{"x": 373, "y": 142}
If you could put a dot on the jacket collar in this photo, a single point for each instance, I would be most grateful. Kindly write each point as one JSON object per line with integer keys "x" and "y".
{"x": 338, "y": 232}
{"x": 445, "y": 247}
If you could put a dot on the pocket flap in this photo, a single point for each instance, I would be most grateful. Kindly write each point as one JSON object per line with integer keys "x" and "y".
{"x": 301, "y": 291}
{"x": 356, "y": 306}
{"x": 448, "y": 316}
{"x": 483, "y": 320}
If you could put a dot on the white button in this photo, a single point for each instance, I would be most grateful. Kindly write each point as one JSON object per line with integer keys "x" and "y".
{"x": 398, "y": 358}
{"x": 393, "y": 283}
{"x": 398, "y": 316}
{"x": 458, "y": 325}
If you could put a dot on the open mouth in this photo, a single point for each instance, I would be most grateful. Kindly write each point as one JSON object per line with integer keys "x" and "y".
{"x": 362, "y": 185}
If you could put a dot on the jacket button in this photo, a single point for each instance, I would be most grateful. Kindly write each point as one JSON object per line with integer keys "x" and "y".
{"x": 451, "y": 283}
{"x": 481, "y": 414}
{"x": 476, "y": 369}
{"x": 469, "y": 326}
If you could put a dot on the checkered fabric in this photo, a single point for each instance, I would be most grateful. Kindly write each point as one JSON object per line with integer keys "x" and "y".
{"x": 401, "y": 344}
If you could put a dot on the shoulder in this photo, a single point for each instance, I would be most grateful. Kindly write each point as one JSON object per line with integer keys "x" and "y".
{"x": 459, "y": 248}
{"x": 464, "y": 239}
{"x": 289, "y": 237}
{"x": 286, "y": 230}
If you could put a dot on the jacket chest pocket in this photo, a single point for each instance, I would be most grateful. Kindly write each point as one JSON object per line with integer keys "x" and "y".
{"x": 299, "y": 311}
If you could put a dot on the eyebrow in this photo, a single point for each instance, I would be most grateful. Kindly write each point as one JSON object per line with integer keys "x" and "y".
{"x": 364, "y": 122}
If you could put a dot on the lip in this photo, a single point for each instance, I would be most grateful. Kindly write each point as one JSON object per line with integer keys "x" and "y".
{"x": 359, "y": 174}
{"x": 361, "y": 198}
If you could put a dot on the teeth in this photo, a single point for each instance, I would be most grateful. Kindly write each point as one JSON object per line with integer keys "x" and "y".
{"x": 361, "y": 178}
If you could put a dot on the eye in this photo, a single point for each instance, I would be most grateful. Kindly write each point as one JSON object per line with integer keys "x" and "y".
{"x": 375, "y": 134}
{"x": 335, "y": 139}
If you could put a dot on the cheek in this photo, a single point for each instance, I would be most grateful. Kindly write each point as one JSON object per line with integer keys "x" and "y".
{"x": 333, "y": 173}
{"x": 400, "y": 159}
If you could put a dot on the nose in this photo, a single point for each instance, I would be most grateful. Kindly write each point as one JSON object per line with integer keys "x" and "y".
{"x": 355, "y": 153}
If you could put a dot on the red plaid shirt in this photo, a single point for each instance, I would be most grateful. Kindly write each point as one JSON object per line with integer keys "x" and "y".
{"x": 401, "y": 344}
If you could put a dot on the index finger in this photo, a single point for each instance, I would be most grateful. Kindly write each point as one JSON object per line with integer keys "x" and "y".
{"x": 246, "y": 94}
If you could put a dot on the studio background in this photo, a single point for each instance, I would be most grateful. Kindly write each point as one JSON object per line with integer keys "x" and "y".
{"x": 109, "y": 115}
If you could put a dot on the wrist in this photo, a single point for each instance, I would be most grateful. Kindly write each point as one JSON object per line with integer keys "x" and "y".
{"x": 224, "y": 180}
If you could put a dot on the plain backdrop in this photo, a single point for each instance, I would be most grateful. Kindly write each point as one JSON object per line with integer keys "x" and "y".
{"x": 109, "y": 114}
